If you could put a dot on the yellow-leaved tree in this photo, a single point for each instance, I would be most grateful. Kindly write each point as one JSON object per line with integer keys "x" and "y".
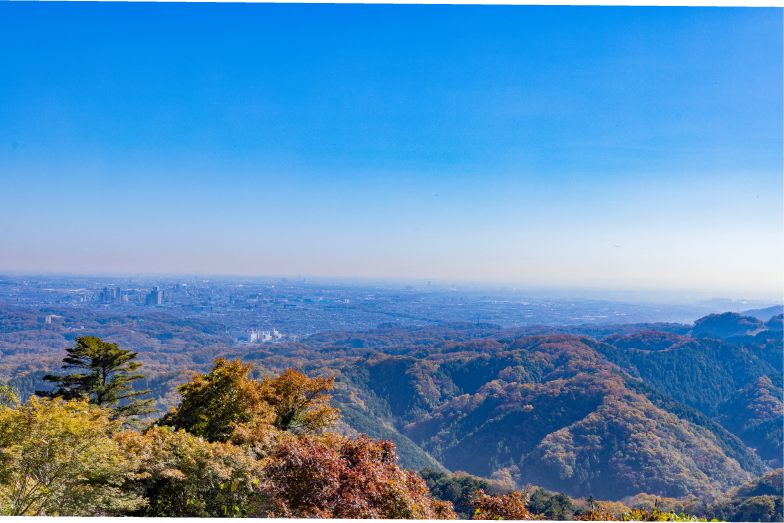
{"x": 58, "y": 458}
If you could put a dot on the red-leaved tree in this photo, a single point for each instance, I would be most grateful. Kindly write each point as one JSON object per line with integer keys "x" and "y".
{"x": 331, "y": 476}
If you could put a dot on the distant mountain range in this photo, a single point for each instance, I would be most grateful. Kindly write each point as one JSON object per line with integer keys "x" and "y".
{"x": 766, "y": 313}
{"x": 666, "y": 409}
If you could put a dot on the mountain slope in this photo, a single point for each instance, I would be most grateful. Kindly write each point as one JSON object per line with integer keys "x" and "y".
{"x": 626, "y": 446}
{"x": 756, "y": 415}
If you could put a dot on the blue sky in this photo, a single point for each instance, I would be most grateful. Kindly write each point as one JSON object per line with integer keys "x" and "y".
{"x": 602, "y": 147}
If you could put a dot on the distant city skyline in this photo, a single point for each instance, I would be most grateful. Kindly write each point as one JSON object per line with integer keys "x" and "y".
{"x": 257, "y": 310}
{"x": 580, "y": 147}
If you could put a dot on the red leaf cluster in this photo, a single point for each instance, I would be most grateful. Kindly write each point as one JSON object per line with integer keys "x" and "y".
{"x": 335, "y": 477}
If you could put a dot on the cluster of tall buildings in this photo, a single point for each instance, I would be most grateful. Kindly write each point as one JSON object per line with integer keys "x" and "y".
{"x": 109, "y": 295}
{"x": 256, "y": 336}
{"x": 155, "y": 297}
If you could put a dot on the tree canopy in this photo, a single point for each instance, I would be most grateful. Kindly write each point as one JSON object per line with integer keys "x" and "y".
{"x": 214, "y": 404}
{"x": 455, "y": 488}
{"x": 301, "y": 404}
{"x": 8, "y": 396}
{"x": 508, "y": 506}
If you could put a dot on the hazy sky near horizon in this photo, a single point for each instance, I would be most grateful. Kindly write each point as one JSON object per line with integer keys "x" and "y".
{"x": 572, "y": 146}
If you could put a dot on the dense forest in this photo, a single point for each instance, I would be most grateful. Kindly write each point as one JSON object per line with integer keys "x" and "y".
{"x": 692, "y": 415}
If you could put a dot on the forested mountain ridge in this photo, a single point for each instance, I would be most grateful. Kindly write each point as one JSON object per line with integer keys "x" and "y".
{"x": 727, "y": 324}
{"x": 700, "y": 372}
{"x": 759, "y": 401}
{"x": 737, "y": 380}
{"x": 765, "y": 313}
{"x": 614, "y": 409}
{"x": 550, "y": 411}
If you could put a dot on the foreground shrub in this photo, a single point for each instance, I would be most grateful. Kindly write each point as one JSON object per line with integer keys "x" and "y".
{"x": 657, "y": 514}
{"x": 596, "y": 512}
{"x": 332, "y": 476}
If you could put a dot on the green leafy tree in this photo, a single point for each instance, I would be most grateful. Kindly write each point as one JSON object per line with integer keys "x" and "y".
{"x": 556, "y": 507}
{"x": 107, "y": 380}
{"x": 455, "y": 488}
{"x": 58, "y": 458}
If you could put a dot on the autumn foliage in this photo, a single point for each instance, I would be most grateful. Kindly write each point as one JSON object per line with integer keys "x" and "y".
{"x": 301, "y": 404}
{"x": 508, "y": 506}
{"x": 339, "y": 477}
{"x": 226, "y": 404}
{"x": 233, "y": 447}
{"x": 236, "y": 446}
{"x": 596, "y": 513}
{"x": 214, "y": 404}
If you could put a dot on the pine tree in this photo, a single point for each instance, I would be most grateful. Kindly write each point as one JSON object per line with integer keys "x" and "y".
{"x": 107, "y": 380}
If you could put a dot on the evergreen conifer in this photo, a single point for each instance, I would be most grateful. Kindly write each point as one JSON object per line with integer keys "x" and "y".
{"x": 107, "y": 380}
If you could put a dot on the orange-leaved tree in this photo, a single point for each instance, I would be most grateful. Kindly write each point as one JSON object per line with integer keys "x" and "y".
{"x": 227, "y": 405}
{"x": 596, "y": 512}
{"x": 301, "y": 404}
{"x": 508, "y": 506}
{"x": 214, "y": 403}
{"x": 331, "y": 476}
